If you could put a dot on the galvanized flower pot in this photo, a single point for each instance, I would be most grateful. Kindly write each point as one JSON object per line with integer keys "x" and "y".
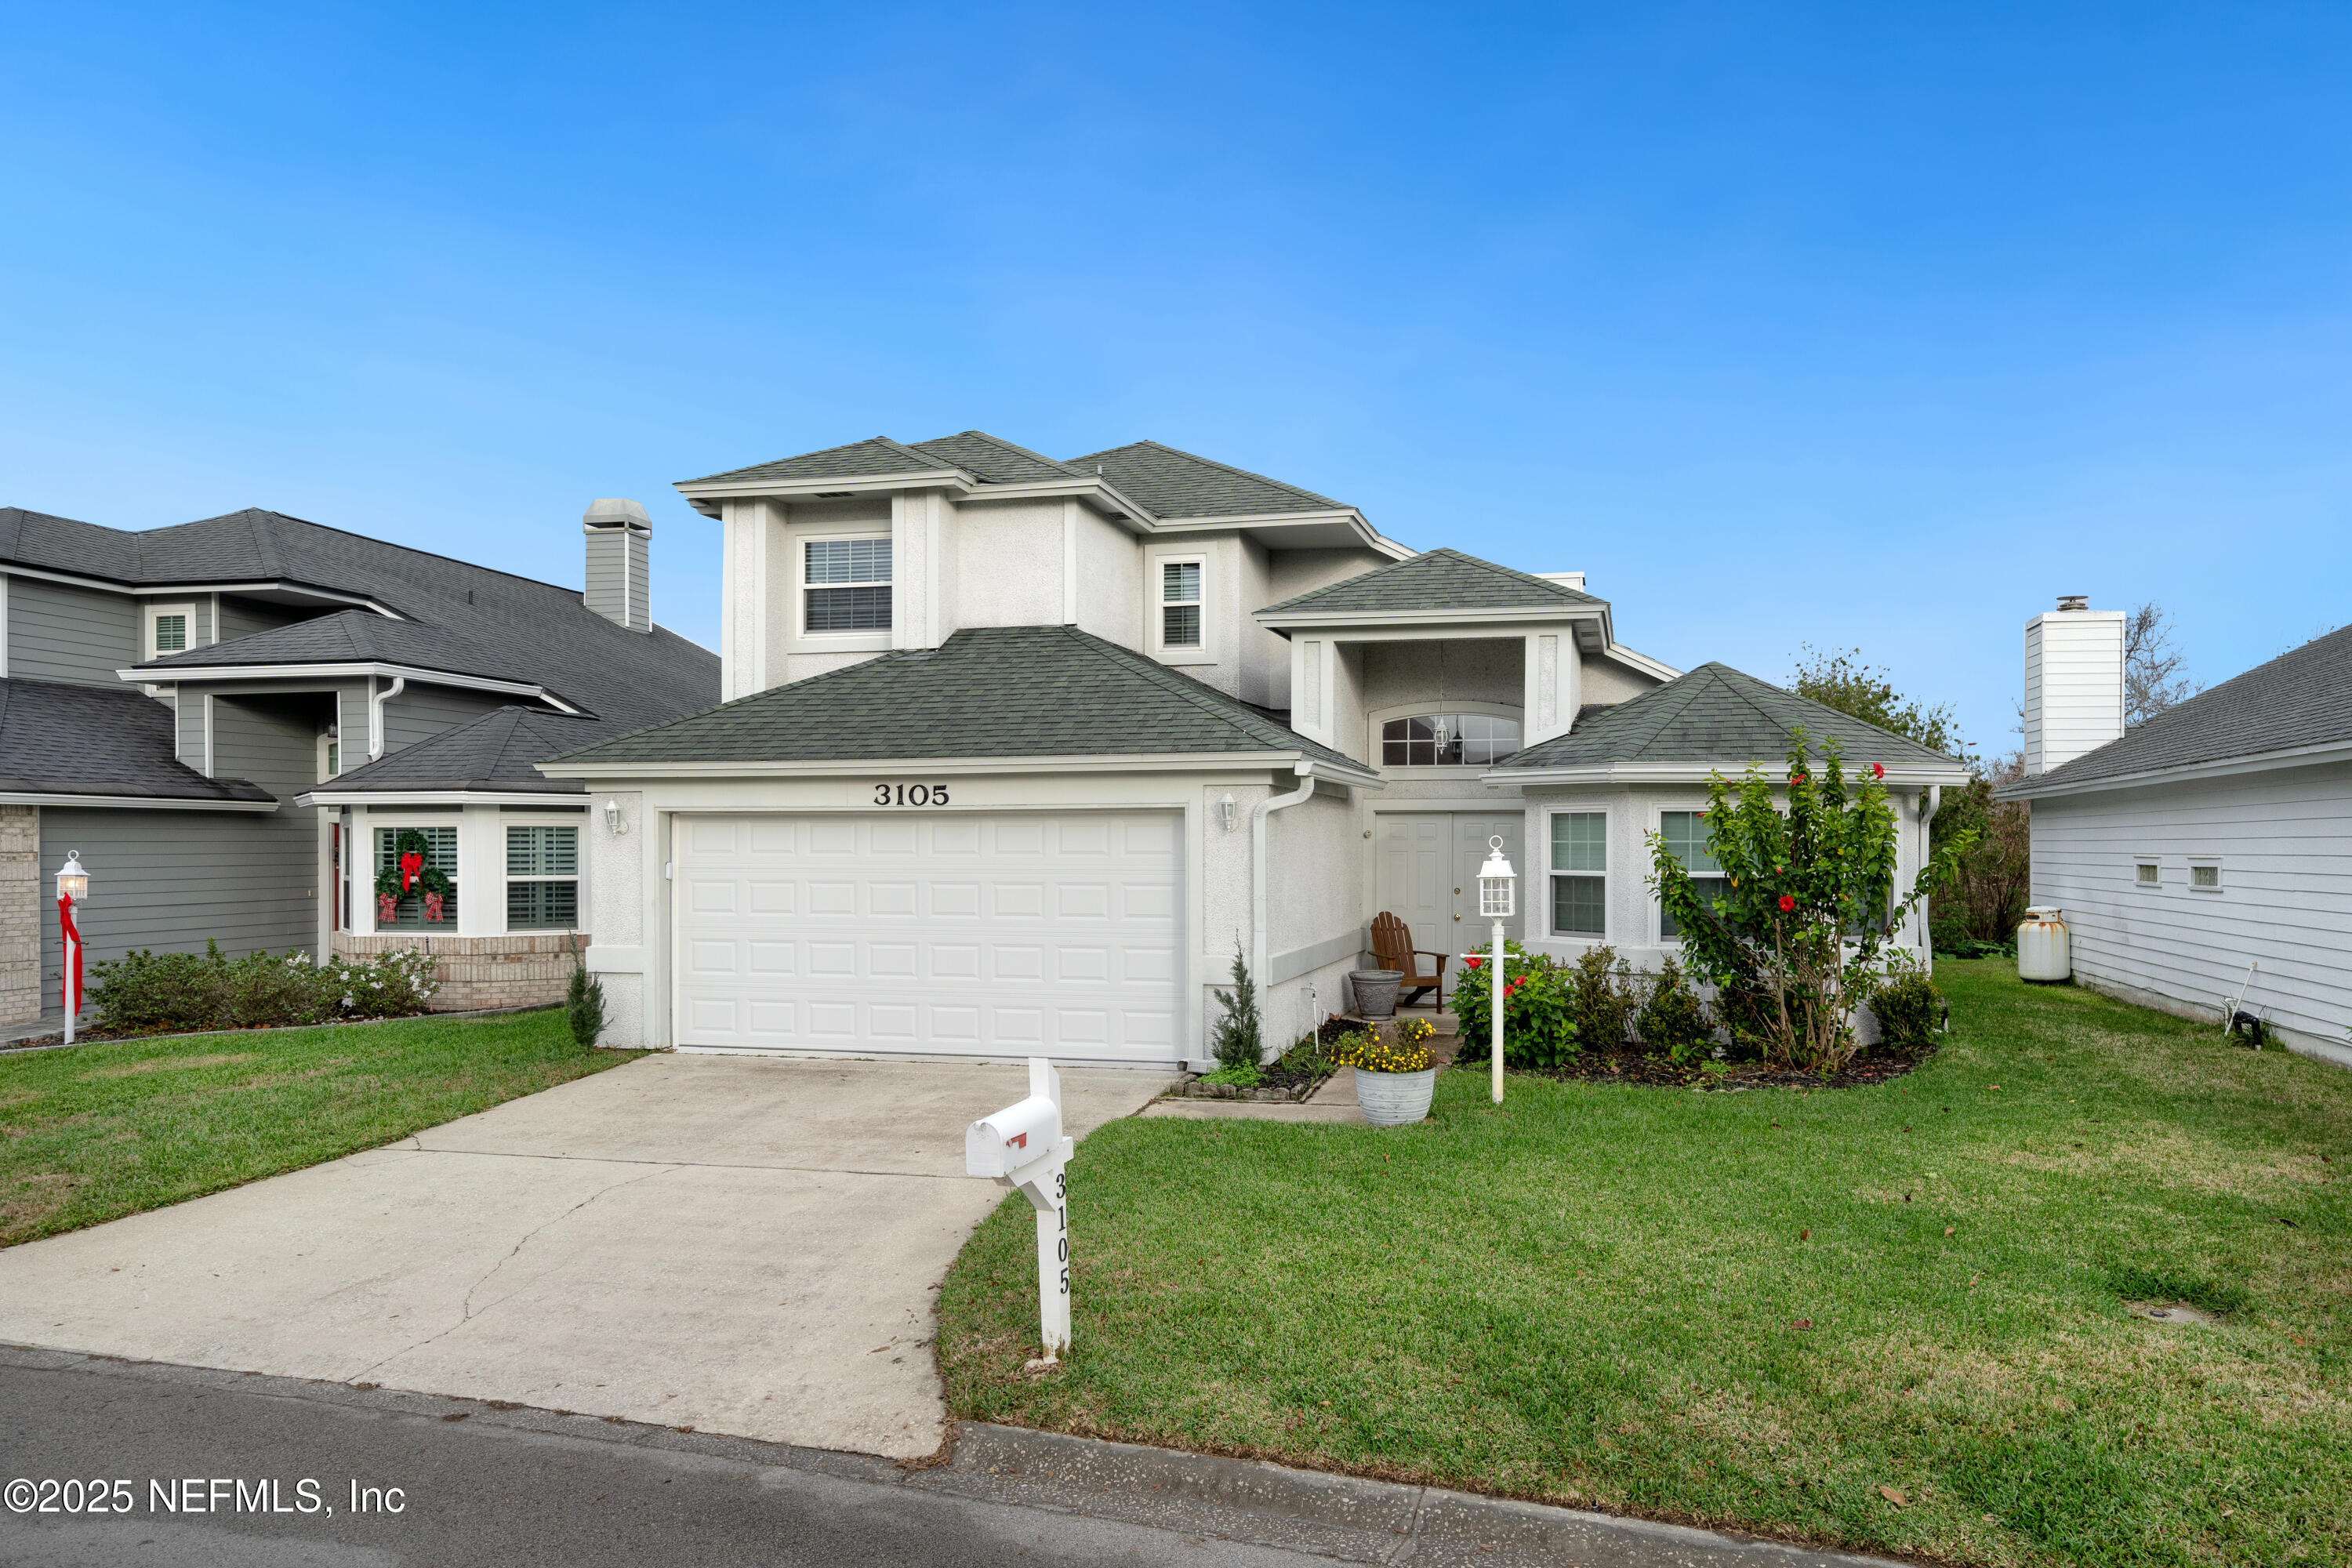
{"x": 1376, "y": 991}
{"x": 1395, "y": 1098}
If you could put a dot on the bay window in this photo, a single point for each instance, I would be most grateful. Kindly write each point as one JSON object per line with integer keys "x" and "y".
{"x": 1580, "y": 873}
{"x": 542, "y": 878}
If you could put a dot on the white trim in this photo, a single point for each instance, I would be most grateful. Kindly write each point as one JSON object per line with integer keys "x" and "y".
{"x": 208, "y": 732}
{"x": 132, "y": 801}
{"x": 1548, "y": 872}
{"x": 1156, "y": 589}
{"x": 2259, "y": 762}
{"x": 420, "y": 797}
{"x": 4, "y": 629}
{"x": 1372, "y": 620}
{"x": 907, "y": 767}
{"x": 1642, "y": 661}
{"x": 153, "y": 610}
{"x": 802, "y": 587}
{"x": 351, "y": 671}
{"x": 2154, "y": 884}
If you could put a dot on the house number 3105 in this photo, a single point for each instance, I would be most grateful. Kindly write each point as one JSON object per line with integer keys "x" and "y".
{"x": 910, "y": 794}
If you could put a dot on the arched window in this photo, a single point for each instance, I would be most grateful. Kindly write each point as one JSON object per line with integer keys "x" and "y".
{"x": 1447, "y": 740}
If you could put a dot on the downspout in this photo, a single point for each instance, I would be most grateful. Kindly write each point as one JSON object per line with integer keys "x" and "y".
{"x": 1934, "y": 804}
{"x": 1258, "y": 814}
{"x": 375, "y": 714}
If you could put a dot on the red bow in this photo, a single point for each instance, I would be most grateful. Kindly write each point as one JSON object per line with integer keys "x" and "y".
{"x": 410, "y": 864}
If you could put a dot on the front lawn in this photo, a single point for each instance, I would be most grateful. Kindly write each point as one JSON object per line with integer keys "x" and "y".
{"x": 1887, "y": 1317}
{"x": 96, "y": 1132}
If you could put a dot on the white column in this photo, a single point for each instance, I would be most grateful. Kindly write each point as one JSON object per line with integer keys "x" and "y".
{"x": 481, "y": 874}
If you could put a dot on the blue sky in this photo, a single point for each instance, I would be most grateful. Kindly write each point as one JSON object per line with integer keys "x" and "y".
{"x": 1870, "y": 326}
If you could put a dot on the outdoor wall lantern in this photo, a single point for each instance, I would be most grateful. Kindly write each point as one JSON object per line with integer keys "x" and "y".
{"x": 1496, "y": 901}
{"x": 1225, "y": 812}
{"x": 73, "y": 886}
{"x": 615, "y": 823}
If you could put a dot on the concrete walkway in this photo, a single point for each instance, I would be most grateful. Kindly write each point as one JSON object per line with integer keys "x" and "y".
{"x": 733, "y": 1244}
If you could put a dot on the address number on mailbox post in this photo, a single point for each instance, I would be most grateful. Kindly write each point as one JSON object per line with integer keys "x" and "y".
{"x": 1022, "y": 1146}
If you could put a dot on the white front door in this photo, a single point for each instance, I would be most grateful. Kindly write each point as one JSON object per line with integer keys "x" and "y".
{"x": 931, "y": 933}
{"x": 1412, "y": 875}
{"x": 1426, "y": 874}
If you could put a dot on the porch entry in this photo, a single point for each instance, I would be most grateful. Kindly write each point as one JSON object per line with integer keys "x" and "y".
{"x": 1426, "y": 874}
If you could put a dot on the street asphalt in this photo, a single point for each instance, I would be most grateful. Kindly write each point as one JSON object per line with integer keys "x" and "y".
{"x": 206, "y": 1468}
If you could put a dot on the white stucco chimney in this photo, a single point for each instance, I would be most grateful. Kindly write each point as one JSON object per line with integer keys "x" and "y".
{"x": 617, "y": 589}
{"x": 2074, "y": 682}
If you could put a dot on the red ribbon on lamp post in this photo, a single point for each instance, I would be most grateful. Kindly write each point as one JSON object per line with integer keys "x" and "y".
{"x": 73, "y": 885}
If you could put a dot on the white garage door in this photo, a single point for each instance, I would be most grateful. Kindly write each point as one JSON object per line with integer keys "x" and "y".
{"x": 982, "y": 936}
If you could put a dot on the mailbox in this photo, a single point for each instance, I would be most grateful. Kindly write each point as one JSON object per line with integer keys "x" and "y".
{"x": 1020, "y": 1134}
{"x": 1022, "y": 1146}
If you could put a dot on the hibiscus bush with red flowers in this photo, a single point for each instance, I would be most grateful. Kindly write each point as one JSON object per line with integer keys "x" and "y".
{"x": 1798, "y": 939}
{"x": 1539, "y": 1009}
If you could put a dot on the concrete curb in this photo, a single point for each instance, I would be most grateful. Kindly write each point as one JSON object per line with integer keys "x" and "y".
{"x": 1196, "y": 1496}
{"x": 1344, "y": 1517}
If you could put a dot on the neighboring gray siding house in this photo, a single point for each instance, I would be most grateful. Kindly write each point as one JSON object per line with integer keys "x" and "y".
{"x": 2209, "y": 847}
{"x": 221, "y": 715}
{"x": 1021, "y": 752}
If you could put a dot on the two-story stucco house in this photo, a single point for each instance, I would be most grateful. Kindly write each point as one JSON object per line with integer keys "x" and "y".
{"x": 229, "y": 721}
{"x": 1019, "y": 752}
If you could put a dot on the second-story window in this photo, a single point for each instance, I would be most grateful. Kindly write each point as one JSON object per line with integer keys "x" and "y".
{"x": 1447, "y": 740}
{"x": 168, "y": 629}
{"x": 846, "y": 585}
{"x": 1180, "y": 604}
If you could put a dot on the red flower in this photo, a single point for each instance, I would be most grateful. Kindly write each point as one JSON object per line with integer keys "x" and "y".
{"x": 1796, "y": 778}
{"x": 1787, "y": 903}
{"x": 1878, "y": 770}
{"x": 1472, "y": 962}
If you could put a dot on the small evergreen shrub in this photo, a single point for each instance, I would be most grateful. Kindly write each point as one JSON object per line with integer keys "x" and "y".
{"x": 1908, "y": 1005}
{"x": 1603, "y": 997}
{"x": 583, "y": 1001}
{"x": 1239, "y": 1037}
{"x": 1674, "y": 1022}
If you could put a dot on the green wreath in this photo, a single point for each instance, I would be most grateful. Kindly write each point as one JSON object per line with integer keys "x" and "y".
{"x": 425, "y": 879}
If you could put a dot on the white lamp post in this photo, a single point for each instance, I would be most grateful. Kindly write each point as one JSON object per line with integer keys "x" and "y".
{"x": 1495, "y": 883}
{"x": 73, "y": 886}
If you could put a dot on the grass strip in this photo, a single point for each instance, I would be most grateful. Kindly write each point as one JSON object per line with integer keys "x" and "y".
{"x": 1888, "y": 1317}
{"x": 93, "y": 1133}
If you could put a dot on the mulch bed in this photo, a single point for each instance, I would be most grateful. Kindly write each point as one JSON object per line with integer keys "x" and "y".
{"x": 1879, "y": 1066}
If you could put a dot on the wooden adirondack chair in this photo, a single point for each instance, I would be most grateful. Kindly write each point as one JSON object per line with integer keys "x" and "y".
{"x": 1392, "y": 947}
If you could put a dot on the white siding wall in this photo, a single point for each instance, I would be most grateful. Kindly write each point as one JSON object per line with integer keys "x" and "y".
{"x": 2284, "y": 841}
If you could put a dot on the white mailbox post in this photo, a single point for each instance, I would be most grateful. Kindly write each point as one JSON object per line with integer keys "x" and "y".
{"x": 1022, "y": 1146}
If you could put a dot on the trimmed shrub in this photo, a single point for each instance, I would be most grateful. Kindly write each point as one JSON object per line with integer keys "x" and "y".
{"x": 1908, "y": 1007}
{"x": 583, "y": 1001}
{"x": 1604, "y": 997}
{"x": 145, "y": 991}
{"x": 1674, "y": 1022}
{"x": 1239, "y": 1037}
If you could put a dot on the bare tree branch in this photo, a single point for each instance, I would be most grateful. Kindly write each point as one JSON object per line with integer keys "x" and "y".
{"x": 2153, "y": 680}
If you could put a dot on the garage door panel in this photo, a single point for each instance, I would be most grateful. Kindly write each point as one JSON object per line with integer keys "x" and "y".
{"x": 962, "y": 933}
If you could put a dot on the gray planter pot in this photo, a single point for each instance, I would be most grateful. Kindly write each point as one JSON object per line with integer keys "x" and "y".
{"x": 1376, "y": 991}
{"x": 1394, "y": 1098}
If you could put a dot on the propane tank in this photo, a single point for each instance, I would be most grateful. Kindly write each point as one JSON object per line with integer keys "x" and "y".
{"x": 2042, "y": 952}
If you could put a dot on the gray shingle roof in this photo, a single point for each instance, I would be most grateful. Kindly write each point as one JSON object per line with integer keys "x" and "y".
{"x": 999, "y": 462}
{"x": 61, "y": 739}
{"x": 998, "y": 691}
{"x": 858, "y": 460}
{"x": 1435, "y": 579}
{"x": 496, "y": 752}
{"x": 1180, "y": 484}
{"x": 1167, "y": 482}
{"x": 2303, "y": 698}
{"x": 463, "y": 619}
{"x": 1720, "y": 718}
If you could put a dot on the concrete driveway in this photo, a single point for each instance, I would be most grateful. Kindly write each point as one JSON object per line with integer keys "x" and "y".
{"x": 731, "y": 1243}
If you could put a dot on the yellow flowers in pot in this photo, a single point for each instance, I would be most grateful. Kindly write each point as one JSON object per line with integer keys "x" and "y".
{"x": 1365, "y": 1050}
